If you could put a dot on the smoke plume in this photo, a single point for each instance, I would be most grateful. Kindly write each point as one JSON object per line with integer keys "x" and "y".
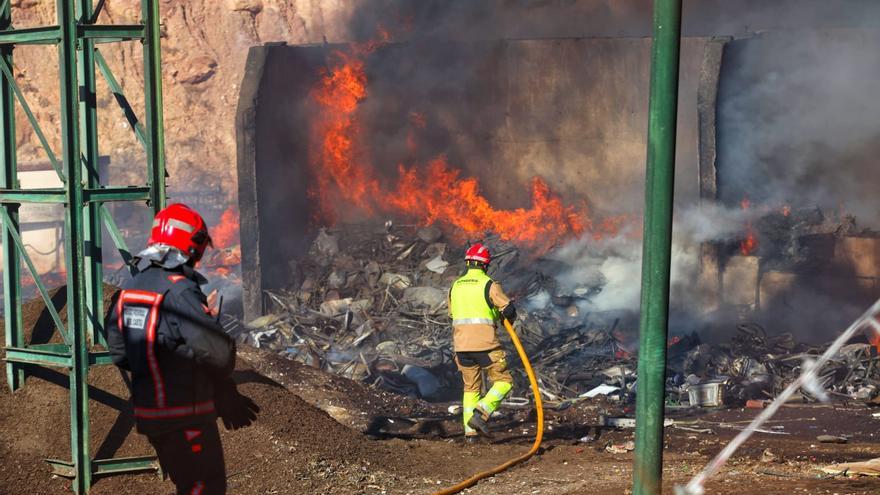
{"x": 797, "y": 121}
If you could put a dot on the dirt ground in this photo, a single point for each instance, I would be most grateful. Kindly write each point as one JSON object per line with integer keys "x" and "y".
{"x": 380, "y": 443}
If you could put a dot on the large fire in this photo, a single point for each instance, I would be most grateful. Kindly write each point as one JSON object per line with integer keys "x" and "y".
{"x": 432, "y": 193}
{"x": 461, "y": 205}
{"x": 340, "y": 90}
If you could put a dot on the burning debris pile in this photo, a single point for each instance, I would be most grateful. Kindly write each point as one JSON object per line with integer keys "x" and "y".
{"x": 789, "y": 238}
{"x": 370, "y": 304}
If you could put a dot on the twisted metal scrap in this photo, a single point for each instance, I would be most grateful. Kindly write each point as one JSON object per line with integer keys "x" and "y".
{"x": 807, "y": 380}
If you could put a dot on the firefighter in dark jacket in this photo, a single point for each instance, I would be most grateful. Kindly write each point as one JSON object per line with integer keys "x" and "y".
{"x": 162, "y": 328}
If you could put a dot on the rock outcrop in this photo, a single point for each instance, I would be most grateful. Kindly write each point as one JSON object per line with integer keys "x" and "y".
{"x": 204, "y": 48}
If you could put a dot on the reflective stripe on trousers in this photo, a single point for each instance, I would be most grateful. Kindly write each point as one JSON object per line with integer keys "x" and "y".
{"x": 468, "y": 403}
{"x": 494, "y": 396}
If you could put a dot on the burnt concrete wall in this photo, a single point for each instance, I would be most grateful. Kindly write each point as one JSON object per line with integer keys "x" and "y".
{"x": 572, "y": 111}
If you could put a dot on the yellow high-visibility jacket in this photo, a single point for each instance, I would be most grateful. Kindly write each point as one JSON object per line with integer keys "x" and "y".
{"x": 475, "y": 302}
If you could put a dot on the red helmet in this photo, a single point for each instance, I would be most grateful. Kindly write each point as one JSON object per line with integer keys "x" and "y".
{"x": 181, "y": 227}
{"x": 478, "y": 252}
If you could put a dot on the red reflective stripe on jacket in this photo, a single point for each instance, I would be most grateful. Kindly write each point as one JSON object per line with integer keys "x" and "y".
{"x": 155, "y": 300}
{"x": 141, "y": 296}
{"x": 174, "y": 412}
{"x": 198, "y": 488}
{"x": 158, "y": 382}
{"x": 119, "y": 320}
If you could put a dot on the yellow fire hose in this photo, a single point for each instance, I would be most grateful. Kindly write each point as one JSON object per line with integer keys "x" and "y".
{"x": 539, "y": 408}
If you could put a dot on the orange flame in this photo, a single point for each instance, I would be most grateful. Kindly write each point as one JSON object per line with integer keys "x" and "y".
{"x": 433, "y": 194}
{"x": 340, "y": 90}
{"x": 461, "y": 205}
{"x": 748, "y": 245}
{"x": 872, "y": 334}
{"x": 225, "y": 234}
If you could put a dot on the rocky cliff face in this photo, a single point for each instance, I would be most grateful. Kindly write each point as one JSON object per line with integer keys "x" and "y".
{"x": 204, "y": 47}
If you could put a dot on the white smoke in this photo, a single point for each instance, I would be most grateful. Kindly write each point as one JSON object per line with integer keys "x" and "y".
{"x": 615, "y": 263}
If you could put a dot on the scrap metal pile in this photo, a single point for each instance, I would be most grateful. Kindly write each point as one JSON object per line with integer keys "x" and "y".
{"x": 370, "y": 304}
{"x": 755, "y": 367}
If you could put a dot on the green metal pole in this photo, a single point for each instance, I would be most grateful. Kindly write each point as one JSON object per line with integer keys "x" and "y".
{"x": 88, "y": 121}
{"x": 657, "y": 247}
{"x": 9, "y": 180}
{"x": 76, "y": 284}
{"x": 153, "y": 104}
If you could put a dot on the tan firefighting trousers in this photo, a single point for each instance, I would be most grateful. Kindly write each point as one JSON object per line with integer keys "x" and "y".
{"x": 501, "y": 380}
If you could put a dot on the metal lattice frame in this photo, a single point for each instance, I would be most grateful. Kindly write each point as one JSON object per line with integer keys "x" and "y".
{"x": 83, "y": 195}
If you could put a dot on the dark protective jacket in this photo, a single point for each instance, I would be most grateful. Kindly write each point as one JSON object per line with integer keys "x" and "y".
{"x": 158, "y": 327}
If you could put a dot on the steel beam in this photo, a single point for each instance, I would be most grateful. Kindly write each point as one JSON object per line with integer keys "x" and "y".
{"x": 153, "y": 104}
{"x": 100, "y": 358}
{"x": 88, "y": 123}
{"x": 45, "y": 357}
{"x": 657, "y": 248}
{"x": 106, "y": 467}
{"x": 84, "y": 196}
{"x": 56, "y": 355}
{"x": 6, "y": 69}
{"x": 121, "y": 100}
{"x": 31, "y": 36}
{"x": 43, "y": 195}
{"x": 74, "y": 245}
{"x": 15, "y": 236}
{"x": 111, "y": 33}
{"x": 97, "y": 12}
{"x": 117, "y": 238}
{"x": 108, "y": 194}
{"x": 143, "y": 464}
{"x": 9, "y": 179}
{"x": 57, "y": 195}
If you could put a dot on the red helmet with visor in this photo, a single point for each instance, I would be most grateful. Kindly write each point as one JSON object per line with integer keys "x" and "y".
{"x": 181, "y": 227}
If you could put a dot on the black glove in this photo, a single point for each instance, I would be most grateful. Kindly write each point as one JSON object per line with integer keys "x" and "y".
{"x": 509, "y": 312}
{"x": 236, "y": 410}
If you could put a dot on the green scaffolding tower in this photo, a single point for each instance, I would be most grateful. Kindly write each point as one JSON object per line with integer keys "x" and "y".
{"x": 83, "y": 195}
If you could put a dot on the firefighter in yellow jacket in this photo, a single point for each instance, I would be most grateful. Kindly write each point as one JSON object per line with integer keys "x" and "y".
{"x": 476, "y": 304}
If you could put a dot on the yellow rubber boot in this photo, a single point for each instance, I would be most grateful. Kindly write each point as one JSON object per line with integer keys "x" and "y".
{"x": 468, "y": 404}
